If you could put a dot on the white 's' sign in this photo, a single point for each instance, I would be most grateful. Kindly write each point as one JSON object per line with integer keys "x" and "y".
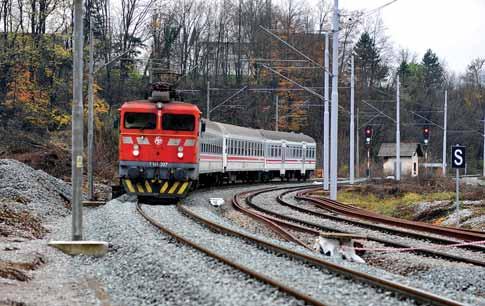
{"x": 458, "y": 156}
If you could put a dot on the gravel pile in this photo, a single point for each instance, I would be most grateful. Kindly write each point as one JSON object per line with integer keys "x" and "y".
{"x": 424, "y": 272}
{"x": 24, "y": 188}
{"x": 475, "y": 222}
{"x": 453, "y": 218}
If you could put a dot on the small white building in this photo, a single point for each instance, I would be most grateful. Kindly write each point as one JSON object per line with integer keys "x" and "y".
{"x": 410, "y": 154}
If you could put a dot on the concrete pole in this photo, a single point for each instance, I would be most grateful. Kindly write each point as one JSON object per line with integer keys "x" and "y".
{"x": 352, "y": 127}
{"x": 483, "y": 146}
{"x": 277, "y": 113}
{"x": 326, "y": 118}
{"x": 77, "y": 123}
{"x": 445, "y": 124}
{"x": 91, "y": 112}
{"x": 208, "y": 100}
{"x": 357, "y": 146}
{"x": 398, "y": 133}
{"x": 150, "y": 68}
{"x": 334, "y": 106}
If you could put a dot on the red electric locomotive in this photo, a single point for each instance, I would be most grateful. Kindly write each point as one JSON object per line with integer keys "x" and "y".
{"x": 158, "y": 154}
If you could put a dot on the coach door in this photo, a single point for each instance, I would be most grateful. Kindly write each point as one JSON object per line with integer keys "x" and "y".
{"x": 303, "y": 158}
{"x": 283, "y": 158}
{"x": 225, "y": 150}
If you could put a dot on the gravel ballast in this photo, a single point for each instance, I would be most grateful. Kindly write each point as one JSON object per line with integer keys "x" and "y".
{"x": 145, "y": 267}
{"x": 459, "y": 281}
{"x": 322, "y": 285}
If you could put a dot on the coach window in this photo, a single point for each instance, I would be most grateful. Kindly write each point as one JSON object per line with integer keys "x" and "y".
{"x": 142, "y": 121}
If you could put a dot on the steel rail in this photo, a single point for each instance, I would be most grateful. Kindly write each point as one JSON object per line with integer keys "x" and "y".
{"x": 309, "y": 228}
{"x": 261, "y": 218}
{"x": 364, "y": 214}
{"x": 259, "y": 276}
{"x": 395, "y": 287}
{"x": 379, "y": 227}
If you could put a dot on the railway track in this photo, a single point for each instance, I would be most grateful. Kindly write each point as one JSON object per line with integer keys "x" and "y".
{"x": 420, "y": 296}
{"x": 399, "y": 289}
{"x": 376, "y": 226}
{"x": 259, "y": 276}
{"x": 334, "y": 206}
{"x": 315, "y": 229}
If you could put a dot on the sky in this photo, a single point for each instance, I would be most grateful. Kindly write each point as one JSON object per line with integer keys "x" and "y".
{"x": 454, "y": 30}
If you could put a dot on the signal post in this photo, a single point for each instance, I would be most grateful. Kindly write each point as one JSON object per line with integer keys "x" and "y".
{"x": 368, "y": 132}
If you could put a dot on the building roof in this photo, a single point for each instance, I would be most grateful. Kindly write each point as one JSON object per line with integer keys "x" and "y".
{"x": 407, "y": 149}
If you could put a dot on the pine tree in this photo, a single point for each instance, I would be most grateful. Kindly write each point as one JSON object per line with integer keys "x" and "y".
{"x": 433, "y": 72}
{"x": 369, "y": 62}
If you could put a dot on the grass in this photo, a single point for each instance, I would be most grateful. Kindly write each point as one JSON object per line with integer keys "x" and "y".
{"x": 391, "y": 205}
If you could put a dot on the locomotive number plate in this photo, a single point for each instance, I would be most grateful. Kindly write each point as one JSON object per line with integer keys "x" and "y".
{"x": 158, "y": 164}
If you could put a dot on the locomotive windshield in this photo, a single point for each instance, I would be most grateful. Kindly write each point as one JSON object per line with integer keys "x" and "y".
{"x": 140, "y": 121}
{"x": 173, "y": 122}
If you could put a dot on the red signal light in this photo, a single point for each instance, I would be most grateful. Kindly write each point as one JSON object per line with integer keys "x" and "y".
{"x": 368, "y": 131}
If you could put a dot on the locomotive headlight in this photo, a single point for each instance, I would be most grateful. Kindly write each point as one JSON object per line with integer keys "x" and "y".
{"x": 180, "y": 149}
{"x": 180, "y": 155}
{"x": 136, "y": 150}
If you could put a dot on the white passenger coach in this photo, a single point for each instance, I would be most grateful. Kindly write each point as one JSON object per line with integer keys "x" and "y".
{"x": 230, "y": 153}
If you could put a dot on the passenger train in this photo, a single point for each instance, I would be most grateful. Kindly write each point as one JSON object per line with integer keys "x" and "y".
{"x": 166, "y": 149}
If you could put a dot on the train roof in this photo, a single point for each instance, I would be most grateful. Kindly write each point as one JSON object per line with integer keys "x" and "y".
{"x": 236, "y": 131}
{"x": 293, "y": 137}
{"x": 149, "y": 106}
{"x": 244, "y": 132}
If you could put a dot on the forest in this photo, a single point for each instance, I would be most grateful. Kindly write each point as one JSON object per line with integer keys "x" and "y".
{"x": 242, "y": 53}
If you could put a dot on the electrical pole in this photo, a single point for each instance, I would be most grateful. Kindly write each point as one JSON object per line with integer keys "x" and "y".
{"x": 77, "y": 123}
{"x": 357, "y": 146}
{"x": 326, "y": 118}
{"x": 352, "y": 127}
{"x": 208, "y": 100}
{"x": 334, "y": 106}
{"x": 277, "y": 113}
{"x": 483, "y": 146}
{"x": 91, "y": 112}
{"x": 398, "y": 133}
{"x": 445, "y": 123}
{"x": 150, "y": 68}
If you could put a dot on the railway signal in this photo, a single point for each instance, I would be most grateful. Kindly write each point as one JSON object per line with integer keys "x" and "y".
{"x": 426, "y": 131}
{"x": 368, "y": 135}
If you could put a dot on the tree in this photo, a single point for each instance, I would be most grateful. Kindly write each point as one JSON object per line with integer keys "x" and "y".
{"x": 432, "y": 72}
{"x": 369, "y": 64}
